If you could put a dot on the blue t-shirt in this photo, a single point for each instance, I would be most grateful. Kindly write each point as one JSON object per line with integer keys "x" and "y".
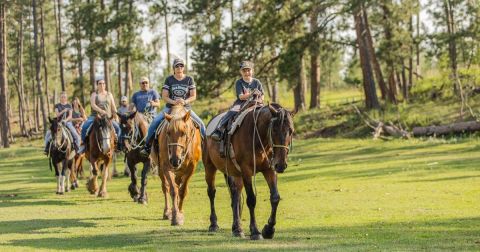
{"x": 179, "y": 88}
{"x": 241, "y": 87}
{"x": 141, "y": 98}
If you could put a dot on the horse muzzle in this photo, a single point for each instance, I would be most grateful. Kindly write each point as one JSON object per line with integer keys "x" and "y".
{"x": 280, "y": 168}
{"x": 175, "y": 162}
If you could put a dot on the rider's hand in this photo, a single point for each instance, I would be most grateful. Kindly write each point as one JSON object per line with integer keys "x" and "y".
{"x": 256, "y": 92}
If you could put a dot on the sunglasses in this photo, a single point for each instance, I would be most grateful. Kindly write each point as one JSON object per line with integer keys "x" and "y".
{"x": 179, "y": 66}
{"x": 144, "y": 82}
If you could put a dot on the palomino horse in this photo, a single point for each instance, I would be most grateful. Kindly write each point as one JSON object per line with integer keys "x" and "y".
{"x": 61, "y": 151}
{"x": 99, "y": 152}
{"x": 135, "y": 127}
{"x": 261, "y": 144}
{"x": 178, "y": 153}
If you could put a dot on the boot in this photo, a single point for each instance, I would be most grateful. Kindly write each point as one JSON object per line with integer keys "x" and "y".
{"x": 146, "y": 149}
{"x": 217, "y": 135}
{"x": 47, "y": 149}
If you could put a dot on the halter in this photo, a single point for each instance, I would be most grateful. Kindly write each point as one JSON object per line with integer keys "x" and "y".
{"x": 63, "y": 148}
{"x": 102, "y": 138}
{"x": 133, "y": 136}
{"x": 185, "y": 148}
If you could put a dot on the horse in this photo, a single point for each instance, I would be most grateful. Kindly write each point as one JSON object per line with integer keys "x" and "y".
{"x": 135, "y": 127}
{"x": 261, "y": 144}
{"x": 176, "y": 156}
{"x": 99, "y": 152}
{"x": 62, "y": 151}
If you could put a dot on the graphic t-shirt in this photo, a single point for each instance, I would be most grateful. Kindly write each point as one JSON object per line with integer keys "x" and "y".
{"x": 179, "y": 88}
{"x": 59, "y": 107}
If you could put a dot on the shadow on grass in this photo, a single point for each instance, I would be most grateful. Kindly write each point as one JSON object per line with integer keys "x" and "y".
{"x": 36, "y": 225}
{"x": 446, "y": 234}
{"x": 21, "y": 203}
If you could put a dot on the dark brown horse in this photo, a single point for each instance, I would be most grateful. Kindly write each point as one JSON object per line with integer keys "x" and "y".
{"x": 99, "y": 152}
{"x": 261, "y": 144}
{"x": 178, "y": 153}
{"x": 134, "y": 128}
{"x": 62, "y": 156}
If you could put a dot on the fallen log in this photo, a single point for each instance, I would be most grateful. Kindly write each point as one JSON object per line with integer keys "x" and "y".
{"x": 460, "y": 127}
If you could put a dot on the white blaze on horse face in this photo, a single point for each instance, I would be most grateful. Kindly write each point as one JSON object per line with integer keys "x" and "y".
{"x": 105, "y": 140}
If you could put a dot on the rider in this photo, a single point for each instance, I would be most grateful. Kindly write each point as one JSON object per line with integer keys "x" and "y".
{"x": 178, "y": 89}
{"x": 102, "y": 103}
{"x": 246, "y": 88}
{"x": 63, "y": 112}
{"x": 123, "y": 108}
{"x": 78, "y": 114}
{"x": 146, "y": 100}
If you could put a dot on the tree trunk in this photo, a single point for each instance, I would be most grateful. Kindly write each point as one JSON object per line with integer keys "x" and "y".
{"x": 44, "y": 56}
{"x": 92, "y": 72}
{"x": 452, "y": 44}
{"x": 404, "y": 84}
{"x": 37, "y": 66}
{"x": 410, "y": 58}
{"x": 106, "y": 72}
{"x": 376, "y": 65}
{"x": 128, "y": 77}
{"x": 3, "y": 76}
{"x": 58, "y": 22}
{"x": 314, "y": 65}
{"x": 106, "y": 65}
{"x": 417, "y": 44}
{"x": 460, "y": 127}
{"x": 392, "y": 85}
{"x": 167, "y": 36}
{"x": 371, "y": 99}
{"x": 81, "y": 78}
{"x": 299, "y": 89}
{"x": 21, "y": 86}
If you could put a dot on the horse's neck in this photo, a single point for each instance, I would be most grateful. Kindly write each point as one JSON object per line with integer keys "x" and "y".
{"x": 142, "y": 124}
{"x": 177, "y": 110}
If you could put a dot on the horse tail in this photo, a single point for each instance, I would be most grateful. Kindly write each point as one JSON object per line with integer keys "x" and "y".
{"x": 50, "y": 163}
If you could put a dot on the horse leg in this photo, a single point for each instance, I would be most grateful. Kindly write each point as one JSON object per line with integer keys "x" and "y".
{"x": 73, "y": 174}
{"x": 92, "y": 185}
{"x": 183, "y": 191}
{"x": 57, "y": 176}
{"x": 251, "y": 202}
{"x": 103, "y": 188}
{"x": 143, "y": 189}
{"x": 210, "y": 172}
{"x": 167, "y": 211}
{"x": 271, "y": 178}
{"x": 66, "y": 177}
{"x": 62, "y": 177}
{"x": 177, "y": 217}
{"x": 235, "y": 186}
{"x": 132, "y": 188}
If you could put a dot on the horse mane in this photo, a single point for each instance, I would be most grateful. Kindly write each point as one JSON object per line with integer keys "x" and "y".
{"x": 177, "y": 113}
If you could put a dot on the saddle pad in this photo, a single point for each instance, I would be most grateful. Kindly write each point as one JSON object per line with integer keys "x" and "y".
{"x": 212, "y": 125}
{"x": 238, "y": 121}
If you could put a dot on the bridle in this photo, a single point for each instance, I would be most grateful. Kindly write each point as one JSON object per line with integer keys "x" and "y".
{"x": 63, "y": 148}
{"x": 102, "y": 136}
{"x": 184, "y": 147}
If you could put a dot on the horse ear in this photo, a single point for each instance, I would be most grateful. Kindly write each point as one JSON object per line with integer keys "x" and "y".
{"x": 272, "y": 109}
{"x": 132, "y": 115}
{"x": 293, "y": 112}
{"x": 167, "y": 116}
{"x": 186, "y": 116}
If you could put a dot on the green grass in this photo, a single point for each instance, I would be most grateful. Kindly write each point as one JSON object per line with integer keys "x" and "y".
{"x": 337, "y": 195}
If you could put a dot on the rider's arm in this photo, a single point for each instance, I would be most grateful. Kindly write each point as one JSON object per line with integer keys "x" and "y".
{"x": 58, "y": 113}
{"x": 166, "y": 98}
{"x": 193, "y": 96}
{"x": 241, "y": 93}
{"x": 69, "y": 115}
{"x": 155, "y": 103}
{"x": 94, "y": 106}
{"x": 113, "y": 106}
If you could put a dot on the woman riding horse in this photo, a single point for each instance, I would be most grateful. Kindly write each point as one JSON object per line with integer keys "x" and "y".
{"x": 261, "y": 144}
{"x": 102, "y": 104}
{"x": 178, "y": 89}
{"x": 63, "y": 112}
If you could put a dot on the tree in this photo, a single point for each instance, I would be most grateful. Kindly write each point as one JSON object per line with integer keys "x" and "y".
{"x": 3, "y": 76}
{"x": 58, "y": 28}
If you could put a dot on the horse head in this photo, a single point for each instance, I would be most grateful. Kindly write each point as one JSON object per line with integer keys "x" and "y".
{"x": 57, "y": 129}
{"x": 127, "y": 124}
{"x": 103, "y": 133}
{"x": 280, "y": 135}
{"x": 179, "y": 133}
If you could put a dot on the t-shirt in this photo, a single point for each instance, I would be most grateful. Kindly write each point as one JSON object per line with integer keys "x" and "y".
{"x": 123, "y": 110}
{"x": 242, "y": 86}
{"x": 179, "y": 88}
{"x": 141, "y": 98}
{"x": 59, "y": 107}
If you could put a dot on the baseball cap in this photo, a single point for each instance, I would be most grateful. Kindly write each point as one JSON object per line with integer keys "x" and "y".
{"x": 246, "y": 64}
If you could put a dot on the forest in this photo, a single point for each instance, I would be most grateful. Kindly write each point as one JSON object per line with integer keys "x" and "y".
{"x": 395, "y": 53}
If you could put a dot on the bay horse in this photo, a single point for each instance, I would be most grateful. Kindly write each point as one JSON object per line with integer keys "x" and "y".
{"x": 99, "y": 152}
{"x": 261, "y": 144}
{"x": 178, "y": 152}
{"x": 61, "y": 151}
{"x": 134, "y": 127}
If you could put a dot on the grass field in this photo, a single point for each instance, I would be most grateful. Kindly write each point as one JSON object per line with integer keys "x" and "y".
{"x": 337, "y": 195}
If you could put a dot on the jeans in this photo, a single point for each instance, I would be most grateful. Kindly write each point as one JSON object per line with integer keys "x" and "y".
{"x": 89, "y": 122}
{"x": 159, "y": 118}
{"x": 73, "y": 131}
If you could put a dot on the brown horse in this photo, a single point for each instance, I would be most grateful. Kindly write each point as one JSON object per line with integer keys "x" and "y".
{"x": 261, "y": 144}
{"x": 62, "y": 152}
{"x": 134, "y": 128}
{"x": 100, "y": 152}
{"x": 179, "y": 150}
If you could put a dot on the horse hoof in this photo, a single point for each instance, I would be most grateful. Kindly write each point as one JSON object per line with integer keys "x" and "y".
{"x": 256, "y": 237}
{"x": 72, "y": 187}
{"x": 135, "y": 198}
{"x": 57, "y": 192}
{"x": 167, "y": 215}
{"x": 177, "y": 221}
{"x": 142, "y": 201}
{"x": 213, "y": 228}
{"x": 102, "y": 194}
{"x": 268, "y": 231}
{"x": 60, "y": 193}
{"x": 238, "y": 234}
{"x": 67, "y": 190}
